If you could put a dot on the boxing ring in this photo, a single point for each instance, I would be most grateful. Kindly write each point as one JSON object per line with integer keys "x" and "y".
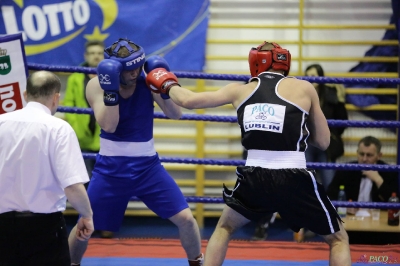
{"x": 242, "y": 253}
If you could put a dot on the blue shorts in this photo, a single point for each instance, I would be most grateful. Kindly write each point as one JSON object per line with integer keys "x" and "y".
{"x": 117, "y": 179}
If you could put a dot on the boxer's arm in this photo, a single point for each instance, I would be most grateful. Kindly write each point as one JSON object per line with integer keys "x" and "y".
{"x": 106, "y": 116}
{"x": 318, "y": 126}
{"x": 192, "y": 100}
{"x": 169, "y": 108}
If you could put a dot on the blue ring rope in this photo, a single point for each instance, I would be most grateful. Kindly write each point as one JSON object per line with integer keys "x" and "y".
{"x": 233, "y": 119}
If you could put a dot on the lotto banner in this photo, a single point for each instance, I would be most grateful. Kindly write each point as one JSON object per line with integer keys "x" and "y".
{"x": 13, "y": 73}
{"x": 55, "y": 31}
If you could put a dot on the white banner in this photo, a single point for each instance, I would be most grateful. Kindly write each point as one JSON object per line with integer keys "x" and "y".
{"x": 13, "y": 73}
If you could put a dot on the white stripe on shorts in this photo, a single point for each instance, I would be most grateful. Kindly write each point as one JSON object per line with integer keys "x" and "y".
{"x": 322, "y": 204}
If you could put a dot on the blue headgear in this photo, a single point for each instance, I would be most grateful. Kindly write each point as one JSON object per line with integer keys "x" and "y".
{"x": 134, "y": 60}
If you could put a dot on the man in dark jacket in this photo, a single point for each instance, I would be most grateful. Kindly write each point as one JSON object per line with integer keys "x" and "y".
{"x": 365, "y": 185}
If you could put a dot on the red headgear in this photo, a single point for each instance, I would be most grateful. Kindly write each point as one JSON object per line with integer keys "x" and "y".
{"x": 277, "y": 59}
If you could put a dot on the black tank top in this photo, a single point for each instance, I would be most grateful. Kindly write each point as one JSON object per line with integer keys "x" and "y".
{"x": 268, "y": 121}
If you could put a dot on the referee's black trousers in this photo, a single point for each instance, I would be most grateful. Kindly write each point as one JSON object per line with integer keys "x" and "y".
{"x": 33, "y": 239}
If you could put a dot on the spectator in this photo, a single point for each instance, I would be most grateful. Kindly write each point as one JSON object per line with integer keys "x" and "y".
{"x": 85, "y": 126}
{"x": 332, "y": 101}
{"x": 365, "y": 185}
{"x": 40, "y": 167}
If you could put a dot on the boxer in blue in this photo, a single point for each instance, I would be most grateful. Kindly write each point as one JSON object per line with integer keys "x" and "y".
{"x": 127, "y": 164}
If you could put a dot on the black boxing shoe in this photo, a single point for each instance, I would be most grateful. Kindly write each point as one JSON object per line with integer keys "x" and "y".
{"x": 198, "y": 261}
{"x": 260, "y": 233}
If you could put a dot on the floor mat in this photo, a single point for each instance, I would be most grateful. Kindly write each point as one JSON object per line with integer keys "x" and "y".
{"x": 281, "y": 253}
{"x": 182, "y": 262}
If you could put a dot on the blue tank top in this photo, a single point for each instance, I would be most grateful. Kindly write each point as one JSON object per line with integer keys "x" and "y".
{"x": 136, "y": 115}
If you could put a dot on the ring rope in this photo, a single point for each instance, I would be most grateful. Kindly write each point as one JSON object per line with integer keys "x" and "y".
{"x": 226, "y": 162}
{"x": 366, "y": 205}
{"x": 233, "y": 119}
{"x": 199, "y": 199}
{"x": 245, "y": 78}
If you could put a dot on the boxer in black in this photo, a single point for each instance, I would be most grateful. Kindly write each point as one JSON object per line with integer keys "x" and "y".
{"x": 278, "y": 118}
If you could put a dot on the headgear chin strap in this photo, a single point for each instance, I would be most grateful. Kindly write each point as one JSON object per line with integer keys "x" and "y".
{"x": 262, "y": 60}
{"x": 134, "y": 60}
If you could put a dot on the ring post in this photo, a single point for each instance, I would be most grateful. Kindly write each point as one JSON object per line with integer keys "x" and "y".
{"x": 396, "y": 13}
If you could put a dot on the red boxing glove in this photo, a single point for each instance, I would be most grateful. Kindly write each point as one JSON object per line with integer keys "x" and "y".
{"x": 159, "y": 80}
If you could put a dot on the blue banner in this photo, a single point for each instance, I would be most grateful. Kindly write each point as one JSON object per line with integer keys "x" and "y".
{"x": 54, "y": 32}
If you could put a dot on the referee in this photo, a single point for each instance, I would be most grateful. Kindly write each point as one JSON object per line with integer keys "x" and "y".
{"x": 41, "y": 165}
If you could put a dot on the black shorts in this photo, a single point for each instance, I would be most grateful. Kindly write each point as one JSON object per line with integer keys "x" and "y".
{"x": 33, "y": 239}
{"x": 294, "y": 193}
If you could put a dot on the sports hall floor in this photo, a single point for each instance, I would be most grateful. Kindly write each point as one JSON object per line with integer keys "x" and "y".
{"x": 152, "y": 241}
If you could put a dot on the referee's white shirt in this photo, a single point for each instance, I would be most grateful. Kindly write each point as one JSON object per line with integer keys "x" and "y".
{"x": 39, "y": 157}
